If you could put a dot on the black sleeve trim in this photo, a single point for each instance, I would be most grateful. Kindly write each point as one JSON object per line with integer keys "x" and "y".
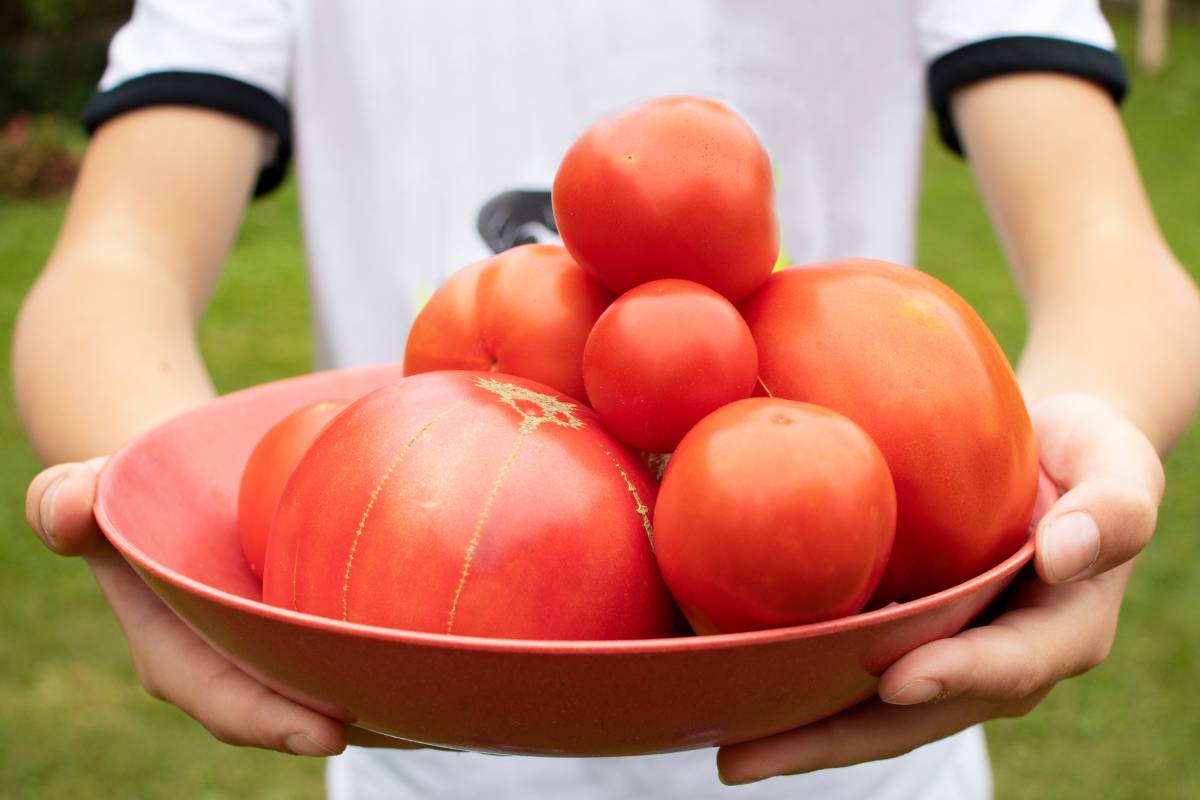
{"x": 206, "y": 90}
{"x": 1006, "y": 54}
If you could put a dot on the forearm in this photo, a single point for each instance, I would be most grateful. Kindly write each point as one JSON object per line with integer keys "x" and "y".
{"x": 1110, "y": 310}
{"x": 105, "y": 342}
{"x": 1130, "y": 334}
{"x": 101, "y": 353}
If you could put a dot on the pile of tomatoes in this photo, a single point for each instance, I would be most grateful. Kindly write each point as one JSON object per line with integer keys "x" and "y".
{"x": 841, "y": 435}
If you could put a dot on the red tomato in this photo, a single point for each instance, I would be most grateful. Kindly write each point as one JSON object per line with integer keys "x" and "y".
{"x": 526, "y": 312}
{"x": 267, "y": 470}
{"x": 773, "y": 513}
{"x": 677, "y": 187}
{"x": 662, "y": 357}
{"x": 471, "y": 503}
{"x": 908, "y": 359}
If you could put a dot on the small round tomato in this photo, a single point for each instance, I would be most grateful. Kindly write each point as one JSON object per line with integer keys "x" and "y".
{"x": 270, "y": 465}
{"x": 910, "y": 361}
{"x": 773, "y": 513}
{"x": 524, "y": 312}
{"x": 662, "y": 357}
{"x": 677, "y": 187}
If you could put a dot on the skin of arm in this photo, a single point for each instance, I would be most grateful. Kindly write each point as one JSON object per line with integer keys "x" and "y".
{"x": 1111, "y": 374}
{"x": 105, "y": 344}
{"x": 1111, "y": 311}
{"x": 105, "y": 348}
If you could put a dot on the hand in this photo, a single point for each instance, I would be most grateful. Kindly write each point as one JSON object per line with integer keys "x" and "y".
{"x": 1050, "y": 629}
{"x": 172, "y": 663}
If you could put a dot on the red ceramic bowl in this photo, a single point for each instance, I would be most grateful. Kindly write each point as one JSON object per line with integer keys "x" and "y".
{"x": 168, "y": 503}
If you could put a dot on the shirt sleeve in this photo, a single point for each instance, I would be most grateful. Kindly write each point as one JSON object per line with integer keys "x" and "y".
{"x": 234, "y": 57}
{"x": 964, "y": 41}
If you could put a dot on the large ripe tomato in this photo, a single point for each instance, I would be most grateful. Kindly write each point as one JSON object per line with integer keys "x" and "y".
{"x": 471, "y": 503}
{"x": 773, "y": 513}
{"x": 906, "y": 358}
{"x": 267, "y": 470}
{"x": 526, "y": 312}
{"x": 663, "y": 356}
{"x": 677, "y": 187}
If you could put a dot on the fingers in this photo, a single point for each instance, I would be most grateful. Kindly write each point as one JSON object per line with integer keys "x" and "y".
{"x": 58, "y": 507}
{"x": 176, "y": 666}
{"x": 1092, "y": 529}
{"x": 172, "y": 662}
{"x": 1113, "y": 481}
{"x": 1054, "y": 633}
{"x": 867, "y": 732}
{"x": 239, "y": 710}
{"x": 1002, "y": 670}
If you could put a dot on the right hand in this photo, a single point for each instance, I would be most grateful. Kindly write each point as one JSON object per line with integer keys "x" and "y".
{"x": 172, "y": 663}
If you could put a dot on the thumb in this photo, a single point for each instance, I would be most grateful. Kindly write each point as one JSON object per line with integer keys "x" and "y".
{"x": 1112, "y": 481}
{"x": 1094, "y": 527}
{"x": 58, "y": 507}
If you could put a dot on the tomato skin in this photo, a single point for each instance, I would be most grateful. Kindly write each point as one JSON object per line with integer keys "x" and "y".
{"x": 773, "y": 513}
{"x": 526, "y": 312}
{"x": 910, "y": 361}
{"x": 677, "y": 187}
{"x": 471, "y": 503}
{"x": 267, "y": 470}
{"x": 663, "y": 356}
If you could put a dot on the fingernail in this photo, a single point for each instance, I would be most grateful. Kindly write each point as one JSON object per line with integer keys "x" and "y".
{"x": 301, "y": 744}
{"x": 1071, "y": 544}
{"x": 739, "y": 781}
{"x": 46, "y": 511}
{"x": 922, "y": 690}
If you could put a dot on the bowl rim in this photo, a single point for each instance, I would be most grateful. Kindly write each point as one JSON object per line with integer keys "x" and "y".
{"x": 105, "y": 491}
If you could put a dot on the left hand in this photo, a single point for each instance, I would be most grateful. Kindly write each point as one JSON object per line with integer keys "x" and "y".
{"x": 1060, "y": 626}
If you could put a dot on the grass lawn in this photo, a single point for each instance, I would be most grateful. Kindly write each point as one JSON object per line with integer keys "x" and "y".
{"x": 74, "y": 724}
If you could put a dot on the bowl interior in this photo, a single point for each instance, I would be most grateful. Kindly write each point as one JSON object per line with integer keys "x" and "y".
{"x": 170, "y": 498}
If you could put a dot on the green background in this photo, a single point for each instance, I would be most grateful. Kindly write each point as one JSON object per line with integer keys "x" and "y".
{"x": 74, "y": 724}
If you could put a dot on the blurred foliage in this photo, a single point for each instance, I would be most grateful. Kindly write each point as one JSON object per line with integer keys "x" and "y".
{"x": 57, "y": 17}
{"x": 52, "y": 52}
{"x": 39, "y": 156}
{"x": 51, "y": 15}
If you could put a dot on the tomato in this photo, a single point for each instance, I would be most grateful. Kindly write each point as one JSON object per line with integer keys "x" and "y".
{"x": 677, "y": 187}
{"x": 906, "y": 358}
{"x": 663, "y": 356}
{"x": 267, "y": 470}
{"x": 773, "y": 513}
{"x": 471, "y": 503}
{"x": 526, "y": 312}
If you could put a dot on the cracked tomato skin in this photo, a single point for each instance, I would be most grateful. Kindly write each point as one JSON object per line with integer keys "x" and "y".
{"x": 663, "y": 356}
{"x": 773, "y": 513}
{"x": 471, "y": 503}
{"x": 677, "y": 187}
{"x": 526, "y": 311}
{"x": 270, "y": 465}
{"x": 906, "y": 358}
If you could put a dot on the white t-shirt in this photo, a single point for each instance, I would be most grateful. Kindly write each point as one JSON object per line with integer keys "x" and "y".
{"x": 407, "y": 119}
